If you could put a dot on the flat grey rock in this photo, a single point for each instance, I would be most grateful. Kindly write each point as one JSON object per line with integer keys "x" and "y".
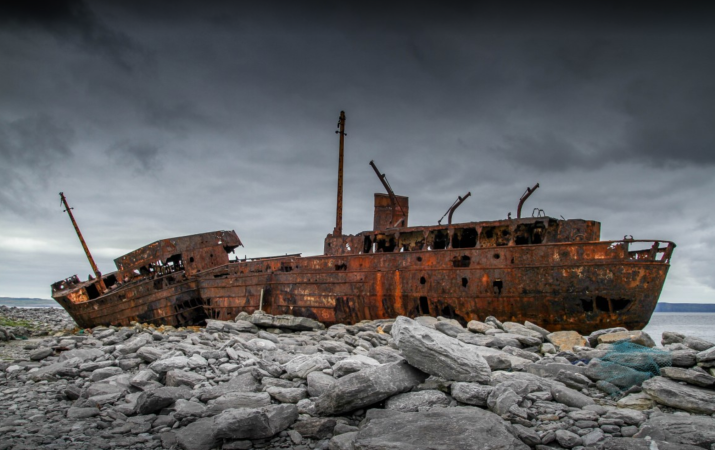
{"x": 234, "y": 400}
{"x": 642, "y": 444}
{"x": 84, "y": 354}
{"x": 689, "y": 376}
{"x": 165, "y": 365}
{"x": 287, "y": 395}
{"x": 249, "y": 423}
{"x": 413, "y": 401}
{"x": 183, "y": 378}
{"x": 464, "y": 428}
{"x": 155, "y": 400}
{"x": 690, "y": 430}
{"x": 676, "y": 395}
{"x": 199, "y": 435}
{"x": 302, "y": 365}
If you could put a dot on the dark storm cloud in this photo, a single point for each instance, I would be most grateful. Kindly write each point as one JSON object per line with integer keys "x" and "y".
{"x": 72, "y": 21}
{"x": 229, "y": 122}
{"x": 30, "y": 148}
{"x": 143, "y": 156}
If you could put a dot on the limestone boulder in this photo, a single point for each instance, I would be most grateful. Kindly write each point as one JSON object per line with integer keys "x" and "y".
{"x": 238, "y": 400}
{"x": 566, "y": 340}
{"x": 685, "y": 430}
{"x": 302, "y": 365}
{"x": 476, "y": 326}
{"x": 254, "y": 423}
{"x": 623, "y": 443}
{"x": 706, "y": 358}
{"x": 286, "y": 321}
{"x": 639, "y": 401}
{"x": 413, "y": 401}
{"x": 593, "y": 337}
{"x": 438, "y": 354}
{"x": 449, "y": 328}
{"x": 689, "y": 376}
{"x": 685, "y": 397}
{"x": 637, "y": 337}
{"x": 368, "y": 387}
{"x": 471, "y": 393}
{"x": 464, "y": 428}
{"x": 151, "y": 401}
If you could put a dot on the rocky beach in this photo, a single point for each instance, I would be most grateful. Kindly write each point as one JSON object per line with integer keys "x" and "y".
{"x": 284, "y": 382}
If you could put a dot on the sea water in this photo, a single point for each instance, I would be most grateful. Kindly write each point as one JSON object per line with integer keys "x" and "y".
{"x": 701, "y": 325}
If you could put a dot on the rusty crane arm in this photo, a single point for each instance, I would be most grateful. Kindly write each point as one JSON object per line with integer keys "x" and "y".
{"x": 523, "y": 198}
{"x": 452, "y": 208}
{"x": 393, "y": 199}
{"x": 100, "y": 282}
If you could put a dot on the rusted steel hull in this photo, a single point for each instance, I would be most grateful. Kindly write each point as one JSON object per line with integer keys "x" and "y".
{"x": 581, "y": 286}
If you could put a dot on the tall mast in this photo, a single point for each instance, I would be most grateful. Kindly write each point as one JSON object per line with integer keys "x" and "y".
{"x": 338, "y": 231}
{"x": 97, "y": 273}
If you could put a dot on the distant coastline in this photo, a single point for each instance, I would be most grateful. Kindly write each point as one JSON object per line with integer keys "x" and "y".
{"x": 685, "y": 307}
{"x": 29, "y": 302}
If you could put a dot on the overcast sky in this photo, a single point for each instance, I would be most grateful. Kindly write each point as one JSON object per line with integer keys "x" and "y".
{"x": 162, "y": 119}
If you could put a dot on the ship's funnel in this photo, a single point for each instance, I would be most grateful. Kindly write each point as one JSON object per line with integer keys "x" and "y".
{"x": 387, "y": 216}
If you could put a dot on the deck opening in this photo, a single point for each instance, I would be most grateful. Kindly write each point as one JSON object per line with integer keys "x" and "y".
{"x": 419, "y": 259}
{"x": 441, "y": 239}
{"x": 619, "y": 304}
{"x": 465, "y": 238}
{"x": 587, "y": 304}
{"x": 367, "y": 245}
{"x": 92, "y": 291}
{"x": 342, "y": 266}
{"x": 464, "y": 261}
{"x": 465, "y": 281}
{"x": 497, "y": 285}
{"x": 602, "y": 304}
{"x": 423, "y": 280}
{"x": 424, "y": 305}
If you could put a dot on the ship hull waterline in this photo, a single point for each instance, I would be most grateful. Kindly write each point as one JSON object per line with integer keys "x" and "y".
{"x": 574, "y": 286}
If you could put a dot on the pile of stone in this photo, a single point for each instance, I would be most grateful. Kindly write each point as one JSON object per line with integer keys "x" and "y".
{"x": 33, "y": 322}
{"x": 282, "y": 382}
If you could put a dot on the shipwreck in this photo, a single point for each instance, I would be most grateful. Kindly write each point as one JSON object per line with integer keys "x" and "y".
{"x": 556, "y": 273}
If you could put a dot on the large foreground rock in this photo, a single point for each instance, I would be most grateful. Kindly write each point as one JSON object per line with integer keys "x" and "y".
{"x": 676, "y": 395}
{"x": 367, "y": 387}
{"x": 692, "y": 430}
{"x": 461, "y": 428}
{"x": 438, "y": 354}
{"x": 247, "y": 423}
